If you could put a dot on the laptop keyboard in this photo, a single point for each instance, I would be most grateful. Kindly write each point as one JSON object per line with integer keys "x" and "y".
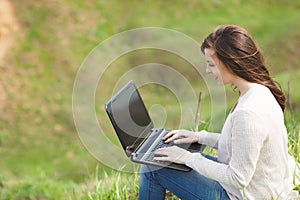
{"x": 161, "y": 144}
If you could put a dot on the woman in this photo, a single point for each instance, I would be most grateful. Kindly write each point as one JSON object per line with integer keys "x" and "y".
{"x": 252, "y": 148}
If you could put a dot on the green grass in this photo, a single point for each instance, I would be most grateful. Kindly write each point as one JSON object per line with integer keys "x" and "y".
{"x": 41, "y": 154}
{"x": 113, "y": 186}
{"x": 37, "y": 188}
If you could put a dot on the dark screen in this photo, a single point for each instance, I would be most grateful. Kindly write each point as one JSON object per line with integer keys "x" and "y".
{"x": 129, "y": 117}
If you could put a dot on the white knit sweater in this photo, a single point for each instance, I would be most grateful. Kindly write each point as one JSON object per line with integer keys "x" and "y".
{"x": 252, "y": 150}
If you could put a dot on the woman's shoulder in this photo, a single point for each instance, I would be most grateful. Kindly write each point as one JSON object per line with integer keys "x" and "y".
{"x": 259, "y": 99}
{"x": 256, "y": 92}
{"x": 259, "y": 102}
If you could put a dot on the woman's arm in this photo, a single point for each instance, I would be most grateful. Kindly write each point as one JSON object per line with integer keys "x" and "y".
{"x": 247, "y": 137}
{"x": 209, "y": 139}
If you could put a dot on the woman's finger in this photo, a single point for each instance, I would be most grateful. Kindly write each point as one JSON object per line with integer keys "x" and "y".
{"x": 161, "y": 152}
{"x": 161, "y": 158}
{"x": 172, "y": 138}
{"x": 171, "y": 133}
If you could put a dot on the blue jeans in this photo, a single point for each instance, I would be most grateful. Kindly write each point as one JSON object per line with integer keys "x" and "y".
{"x": 186, "y": 185}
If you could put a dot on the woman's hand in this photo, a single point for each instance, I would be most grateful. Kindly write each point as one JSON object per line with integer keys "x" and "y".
{"x": 172, "y": 154}
{"x": 181, "y": 137}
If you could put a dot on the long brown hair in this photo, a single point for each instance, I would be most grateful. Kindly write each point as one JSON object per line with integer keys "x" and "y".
{"x": 235, "y": 47}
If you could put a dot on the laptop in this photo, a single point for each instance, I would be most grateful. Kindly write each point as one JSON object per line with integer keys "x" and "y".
{"x": 134, "y": 128}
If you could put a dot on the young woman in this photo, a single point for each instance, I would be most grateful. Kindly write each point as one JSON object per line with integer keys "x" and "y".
{"x": 252, "y": 148}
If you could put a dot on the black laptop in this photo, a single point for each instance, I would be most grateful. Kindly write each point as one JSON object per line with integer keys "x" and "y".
{"x": 134, "y": 128}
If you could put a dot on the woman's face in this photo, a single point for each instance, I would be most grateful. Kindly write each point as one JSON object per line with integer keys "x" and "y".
{"x": 217, "y": 68}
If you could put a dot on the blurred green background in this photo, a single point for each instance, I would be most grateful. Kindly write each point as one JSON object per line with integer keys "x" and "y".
{"x": 38, "y": 139}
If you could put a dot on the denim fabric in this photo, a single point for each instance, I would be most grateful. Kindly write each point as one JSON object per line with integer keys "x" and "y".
{"x": 186, "y": 185}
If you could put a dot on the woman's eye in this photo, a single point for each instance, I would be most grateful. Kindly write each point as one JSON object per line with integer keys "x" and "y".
{"x": 210, "y": 65}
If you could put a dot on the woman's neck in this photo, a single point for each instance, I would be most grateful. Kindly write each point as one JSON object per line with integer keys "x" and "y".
{"x": 242, "y": 85}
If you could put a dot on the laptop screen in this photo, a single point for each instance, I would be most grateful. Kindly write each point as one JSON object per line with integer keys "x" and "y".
{"x": 129, "y": 117}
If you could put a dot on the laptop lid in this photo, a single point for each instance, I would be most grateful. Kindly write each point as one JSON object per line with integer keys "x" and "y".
{"x": 129, "y": 117}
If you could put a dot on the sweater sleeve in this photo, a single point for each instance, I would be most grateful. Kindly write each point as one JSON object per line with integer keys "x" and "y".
{"x": 247, "y": 137}
{"x": 209, "y": 139}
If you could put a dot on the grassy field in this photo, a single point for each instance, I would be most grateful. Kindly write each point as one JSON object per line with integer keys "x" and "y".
{"x": 41, "y": 154}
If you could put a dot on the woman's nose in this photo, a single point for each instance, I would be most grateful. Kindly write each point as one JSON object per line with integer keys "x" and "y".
{"x": 208, "y": 71}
